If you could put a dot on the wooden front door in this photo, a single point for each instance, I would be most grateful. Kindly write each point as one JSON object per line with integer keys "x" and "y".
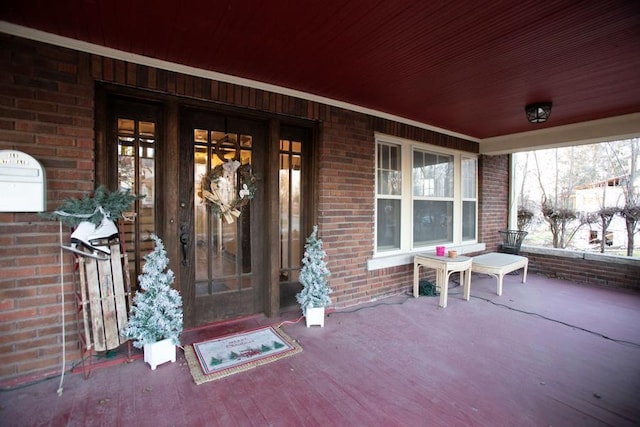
{"x": 222, "y": 270}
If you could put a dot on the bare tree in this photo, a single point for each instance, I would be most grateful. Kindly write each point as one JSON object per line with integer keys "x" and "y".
{"x": 604, "y": 165}
{"x": 623, "y": 159}
{"x": 631, "y": 209}
{"x": 525, "y": 208}
{"x": 590, "y": 184}
{"x": 631, "y": 215}
{"x": 525, "y": 216}
{"x": 556, "y": 208}
{"x": 605, "y": 216}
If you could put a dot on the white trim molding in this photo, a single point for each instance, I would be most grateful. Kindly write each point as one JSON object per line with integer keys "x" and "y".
{"x": 591, "y": 132}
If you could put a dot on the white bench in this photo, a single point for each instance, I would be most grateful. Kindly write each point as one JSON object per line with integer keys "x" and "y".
{"x": 498, "y": 264}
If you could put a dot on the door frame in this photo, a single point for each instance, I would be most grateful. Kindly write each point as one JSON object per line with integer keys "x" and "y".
{"x": 167, "y": 222}
{"x": 199, "y": 310}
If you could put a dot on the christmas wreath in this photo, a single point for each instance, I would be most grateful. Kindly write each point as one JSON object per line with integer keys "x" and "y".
{"x": 218, "y": 189}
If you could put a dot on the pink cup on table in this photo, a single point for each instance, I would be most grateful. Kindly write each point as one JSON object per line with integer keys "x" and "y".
{"x": 440, "y": 250}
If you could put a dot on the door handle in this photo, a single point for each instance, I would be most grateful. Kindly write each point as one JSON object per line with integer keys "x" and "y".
{"x": 184, "y": 241}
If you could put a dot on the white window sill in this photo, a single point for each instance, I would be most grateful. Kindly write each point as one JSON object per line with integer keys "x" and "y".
{"x": 382, "y": 261}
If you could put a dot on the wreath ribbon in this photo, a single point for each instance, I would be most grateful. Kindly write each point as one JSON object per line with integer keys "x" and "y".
{"x": 226, "y": 210}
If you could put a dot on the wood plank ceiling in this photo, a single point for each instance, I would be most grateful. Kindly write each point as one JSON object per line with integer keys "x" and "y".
{"x": 468, "y": 67}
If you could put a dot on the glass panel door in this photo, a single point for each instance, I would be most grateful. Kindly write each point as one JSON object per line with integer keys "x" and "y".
{"x": 136, "y": 152}
{"x": 221, "y": 222}
{"x": 291, "y": 233}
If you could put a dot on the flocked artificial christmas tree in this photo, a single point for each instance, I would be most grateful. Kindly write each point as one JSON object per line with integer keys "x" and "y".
{"x": 314, "y": 279}
{"x": 157, "y": 311}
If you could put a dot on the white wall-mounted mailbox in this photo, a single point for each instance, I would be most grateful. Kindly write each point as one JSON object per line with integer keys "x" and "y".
{"x": 22, "y": 183}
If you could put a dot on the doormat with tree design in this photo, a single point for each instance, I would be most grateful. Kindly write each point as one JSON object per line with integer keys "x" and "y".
{"x": 230, "y": 354}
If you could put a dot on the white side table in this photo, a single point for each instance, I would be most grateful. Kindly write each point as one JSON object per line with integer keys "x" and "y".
{"x": 444, "y": 267}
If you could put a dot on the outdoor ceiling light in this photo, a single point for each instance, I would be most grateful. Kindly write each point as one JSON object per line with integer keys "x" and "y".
{"x": 538, "y": 112}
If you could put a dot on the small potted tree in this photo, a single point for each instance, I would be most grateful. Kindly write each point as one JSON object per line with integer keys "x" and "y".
{"x": 314, "y": 296}
{"x": 156, "y": 317}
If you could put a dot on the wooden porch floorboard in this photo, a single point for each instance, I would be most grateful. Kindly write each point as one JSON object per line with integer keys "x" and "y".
{"x": 399, "y": 361}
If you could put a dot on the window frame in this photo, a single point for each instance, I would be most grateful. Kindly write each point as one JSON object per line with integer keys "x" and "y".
{"x": 473, "y": 199}
{"x": 407, "y": 148}
{"x": 390, "y": 197}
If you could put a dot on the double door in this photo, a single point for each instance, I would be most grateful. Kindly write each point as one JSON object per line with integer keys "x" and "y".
{"x": 228, "y": 263}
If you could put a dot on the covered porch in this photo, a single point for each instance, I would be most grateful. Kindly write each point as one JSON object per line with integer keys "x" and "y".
{"x": 548, "y": 352}
{"x": 443, "y": 76}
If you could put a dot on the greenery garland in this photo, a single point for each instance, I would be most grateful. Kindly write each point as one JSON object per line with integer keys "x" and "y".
{"x": 220, "y": 180}
{"x": 93, "y": 208}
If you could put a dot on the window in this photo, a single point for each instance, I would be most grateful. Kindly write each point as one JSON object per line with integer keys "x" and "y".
{"x": 136, "y": 153}
{"x": 469, "y": 195}
{"x": 223, "y": 247}
{"x": 432, "y": 198}
{"x": 294, "y": 198}
{"x": 425, "y": 196}
{"x": 389, "y": 185}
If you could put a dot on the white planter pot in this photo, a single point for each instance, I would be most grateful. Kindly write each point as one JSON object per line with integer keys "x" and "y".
{"x": 159, "y": 352}
{"x": 314, "y": 316}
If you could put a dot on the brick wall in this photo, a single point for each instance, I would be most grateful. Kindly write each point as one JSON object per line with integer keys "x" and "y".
{"x": 346, "y": 209}
{"x": 584, "y": 267}
{"x": 46, "y": 110}
{"x": 493, "y": 203}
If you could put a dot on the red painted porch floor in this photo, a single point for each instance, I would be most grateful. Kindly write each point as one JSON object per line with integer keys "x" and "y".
{"x": 492, "y": 361}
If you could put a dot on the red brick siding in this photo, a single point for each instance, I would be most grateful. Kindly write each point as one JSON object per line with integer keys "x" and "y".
{"x": 346, "y": 170}
{"x": 588, "y": 271}
{"x": 493, "y": 203}
{"x": 46, "y": 110}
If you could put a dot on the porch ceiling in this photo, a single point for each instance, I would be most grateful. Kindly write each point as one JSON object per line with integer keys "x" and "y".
{"x": 466, "y": 67}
